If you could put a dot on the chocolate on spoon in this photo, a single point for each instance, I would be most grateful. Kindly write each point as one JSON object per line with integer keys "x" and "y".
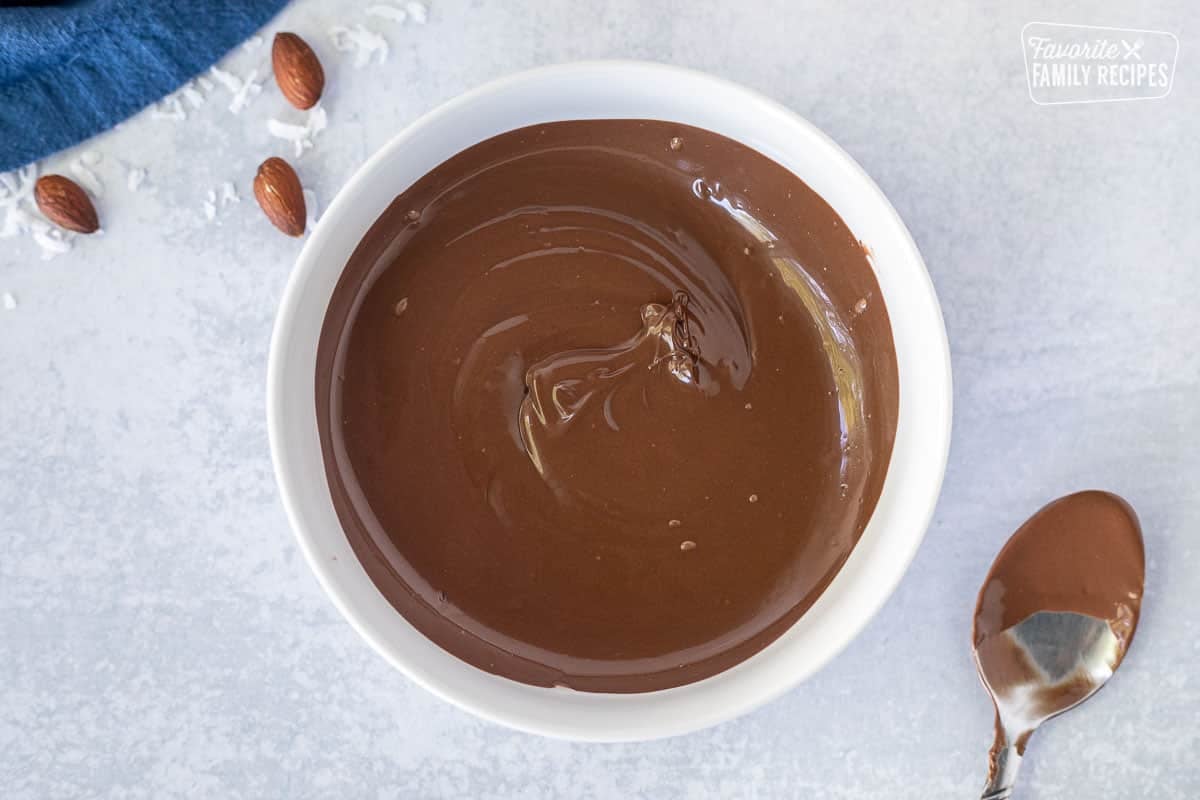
{"x": 1055, "y": 618}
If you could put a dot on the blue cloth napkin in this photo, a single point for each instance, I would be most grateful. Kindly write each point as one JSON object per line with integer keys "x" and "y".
{"x": 70, "y": 70}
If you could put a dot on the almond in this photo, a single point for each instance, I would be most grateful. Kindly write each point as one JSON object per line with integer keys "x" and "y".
{"x": 297, "y": 70}
{"x": 278, "y": 191}
{"x": 65, "y": 204}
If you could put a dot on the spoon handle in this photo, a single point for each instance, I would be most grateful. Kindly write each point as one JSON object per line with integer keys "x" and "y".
{"x": 1005, "y": 763}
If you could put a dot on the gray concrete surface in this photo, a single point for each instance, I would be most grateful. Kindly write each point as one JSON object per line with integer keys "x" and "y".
{"x": 161, "y": 637}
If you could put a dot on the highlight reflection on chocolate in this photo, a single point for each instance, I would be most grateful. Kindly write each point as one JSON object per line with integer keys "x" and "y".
{"x": 606, "y": 404}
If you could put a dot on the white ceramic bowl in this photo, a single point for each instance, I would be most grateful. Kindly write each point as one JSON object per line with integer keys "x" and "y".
{"x": 619, "y": 90}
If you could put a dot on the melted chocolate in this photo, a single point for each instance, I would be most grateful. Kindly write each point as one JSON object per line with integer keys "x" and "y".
{"x": 1082, "y": 554}
{"x": 606, "y": 404}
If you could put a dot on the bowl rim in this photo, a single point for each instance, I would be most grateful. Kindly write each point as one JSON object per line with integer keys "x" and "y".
{"x": 621, "y": 717}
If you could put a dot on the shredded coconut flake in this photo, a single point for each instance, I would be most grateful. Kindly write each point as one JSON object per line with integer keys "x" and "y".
{"x": 10, "y": 302}
{"x": 16, "y": 221}
{"x": 215, "y": 199}
{"x": 249, "y": 88}
{"x": 253, "y": 42}
{"x": 16, "y": 190}
{"x": 135, "y": 178}
{"x": 169, "y": 108}
{"x": 16, "y": 193}
{"x": 205, "y": 84}
{"x": 417, "y": 12}
{"x": 285, "y": 130}
{"x": 242, "y": 90}
{"x": 300, "y": 136}
{"x": 193, "y": 96}
{"x": 53, "y": 241}
{"x": 388, "y": 12}
{"x": 226, "y": 79}
{"x": 91, "y": 157}
{"x": 87, "y": 179}
{"x": 364, "y": 43}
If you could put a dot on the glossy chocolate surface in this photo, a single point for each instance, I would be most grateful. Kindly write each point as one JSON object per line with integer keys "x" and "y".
{"x": 606, "y": 404}
{"x": 1081, "y": 553}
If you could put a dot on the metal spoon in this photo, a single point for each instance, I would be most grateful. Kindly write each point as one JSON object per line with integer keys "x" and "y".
{"x": 1055, "y": 616}
{"x": 1036, "y": 670}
